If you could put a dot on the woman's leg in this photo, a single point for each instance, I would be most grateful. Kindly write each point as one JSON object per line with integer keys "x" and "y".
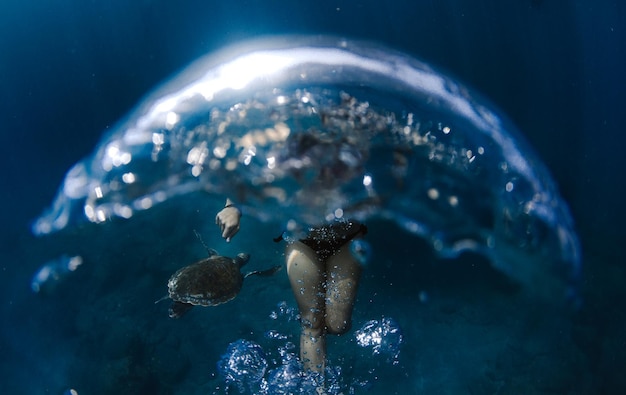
{"x": 307, "y": 277}
{"x": 343, "y": 274}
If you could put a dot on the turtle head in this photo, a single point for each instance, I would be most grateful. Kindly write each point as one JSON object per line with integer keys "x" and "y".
{"x": 242, "y": 258}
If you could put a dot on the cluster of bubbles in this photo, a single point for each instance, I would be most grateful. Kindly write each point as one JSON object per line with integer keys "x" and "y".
{"x": 244, "y": 366}
{"x": 285, "y": 311}
{"x": 382, "y": 336}
{"x": 287, "y": 377}
{"x": 248, "y": 368}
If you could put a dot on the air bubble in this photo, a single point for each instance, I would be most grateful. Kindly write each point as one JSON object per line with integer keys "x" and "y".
{"x": 361, "y": 251}
{"x": 275, "y": 335}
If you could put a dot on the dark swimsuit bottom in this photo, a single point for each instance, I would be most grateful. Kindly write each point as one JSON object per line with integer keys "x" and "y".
{"x": 327, "y": 240}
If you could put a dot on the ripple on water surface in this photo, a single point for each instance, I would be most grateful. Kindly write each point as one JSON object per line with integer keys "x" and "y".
{"x": 308, "y": 130}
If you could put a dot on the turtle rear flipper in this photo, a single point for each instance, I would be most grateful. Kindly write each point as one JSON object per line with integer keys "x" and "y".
{"x": 265, "y": 273}
{"x": 177, "y": 309}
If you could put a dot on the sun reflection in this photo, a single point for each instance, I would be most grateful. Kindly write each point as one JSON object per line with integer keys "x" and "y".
{"x": 128, "y": 178}
{"x": 122, "y": 210}
{"x": 171, "y": 119}
{"x": 115, "y": 157}
{"x": 145, "y": 203}
{"x": 271, "y": 162}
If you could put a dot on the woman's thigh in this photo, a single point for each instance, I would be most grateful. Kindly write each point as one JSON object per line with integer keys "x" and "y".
{"x": 343, "y": 274}
{"x": 307, "y": 277}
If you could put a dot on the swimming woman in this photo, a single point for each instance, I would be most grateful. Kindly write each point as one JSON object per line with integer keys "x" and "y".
{"x": 324, "y": 277}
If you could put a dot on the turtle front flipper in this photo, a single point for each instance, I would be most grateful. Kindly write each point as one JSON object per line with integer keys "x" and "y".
{"x": 178, "y": 309}
{"x": 241, "y": 259}
{"x": 210, "y": 251}
{"x": 265, "y": 273}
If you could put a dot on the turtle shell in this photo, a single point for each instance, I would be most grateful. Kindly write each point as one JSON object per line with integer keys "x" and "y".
{"x": 209, "y": 282}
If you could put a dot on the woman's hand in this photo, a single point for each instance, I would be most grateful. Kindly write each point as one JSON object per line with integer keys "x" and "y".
{"x": 228, "y": 220}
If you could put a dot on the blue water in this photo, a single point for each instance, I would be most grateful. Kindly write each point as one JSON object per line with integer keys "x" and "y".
{"x": 441, "y": 308}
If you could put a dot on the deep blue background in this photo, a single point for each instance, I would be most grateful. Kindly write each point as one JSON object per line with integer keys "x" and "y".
{"x": 70, "y": 69}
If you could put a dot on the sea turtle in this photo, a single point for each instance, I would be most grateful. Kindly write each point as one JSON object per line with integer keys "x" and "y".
{"x": 209, "y": 282}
